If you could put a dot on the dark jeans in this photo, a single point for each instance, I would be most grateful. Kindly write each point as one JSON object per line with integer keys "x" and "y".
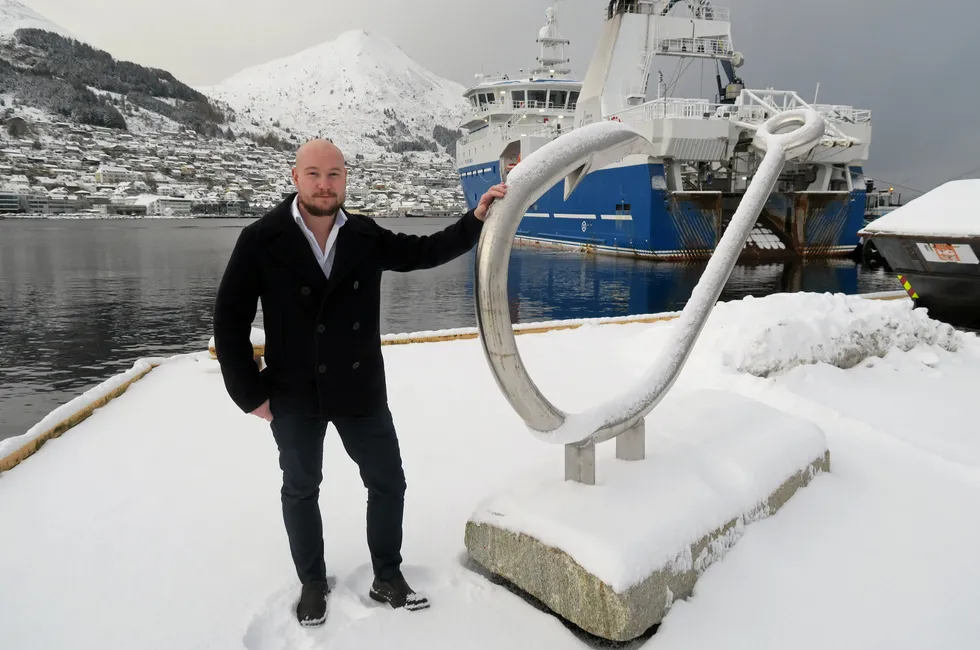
{"x": 371, "y": 442}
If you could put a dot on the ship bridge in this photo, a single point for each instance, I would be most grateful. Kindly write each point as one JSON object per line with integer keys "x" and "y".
{"x": 515, "y": 101}
{"x": 548, "y": 94}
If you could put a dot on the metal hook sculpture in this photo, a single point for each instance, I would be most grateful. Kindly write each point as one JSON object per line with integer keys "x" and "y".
{"x": 572, "y": 156}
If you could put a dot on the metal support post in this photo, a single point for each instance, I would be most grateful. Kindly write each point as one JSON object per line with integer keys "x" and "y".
{"x": 580, "y": 463}
{"x": 631, "y": 444}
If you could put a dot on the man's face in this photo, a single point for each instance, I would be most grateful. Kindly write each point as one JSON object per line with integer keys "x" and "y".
{"x": 321, "y": 181}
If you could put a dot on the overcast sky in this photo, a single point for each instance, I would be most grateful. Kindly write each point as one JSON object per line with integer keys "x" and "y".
{"x": 912, "y": 62}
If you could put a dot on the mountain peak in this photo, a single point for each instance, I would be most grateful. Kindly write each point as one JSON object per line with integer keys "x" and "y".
{"x": 359, "y": 89}
{"x": 16, "y": 15}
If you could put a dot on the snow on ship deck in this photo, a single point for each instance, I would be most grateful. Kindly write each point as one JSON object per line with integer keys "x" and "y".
{"x": 156, "y": 523}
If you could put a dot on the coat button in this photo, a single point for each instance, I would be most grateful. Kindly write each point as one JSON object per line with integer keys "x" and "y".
{"x": 305, "y": 291}
{"x": 356, "y": 284}
{"x": 357, "y": 326}
{"x": 321, "y": 328}
{"x": 357, "y": 364}
{"x": 322, "y": 369}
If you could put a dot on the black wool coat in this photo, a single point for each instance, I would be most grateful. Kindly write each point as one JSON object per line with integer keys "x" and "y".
{"x": 323, "y": 340}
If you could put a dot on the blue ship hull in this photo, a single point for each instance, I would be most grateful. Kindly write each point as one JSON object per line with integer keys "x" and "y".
{"x": 622, "y": 211}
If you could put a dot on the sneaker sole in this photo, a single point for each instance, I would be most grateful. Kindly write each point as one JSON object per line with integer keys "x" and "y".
{"x": 412, "y": 607}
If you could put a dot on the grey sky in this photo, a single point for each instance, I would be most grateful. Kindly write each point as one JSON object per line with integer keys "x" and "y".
{"x": 910, "y": 62}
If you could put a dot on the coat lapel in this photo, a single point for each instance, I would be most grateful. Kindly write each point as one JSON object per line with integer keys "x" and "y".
{"x": 289, "y": 246}
{"x": 351, "y": 246}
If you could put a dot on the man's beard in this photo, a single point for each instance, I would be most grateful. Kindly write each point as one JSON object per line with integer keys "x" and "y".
{"x": 322, "y": 212}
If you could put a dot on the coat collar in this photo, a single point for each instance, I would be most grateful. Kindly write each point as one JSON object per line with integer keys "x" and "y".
{"x": 286, "y": 242}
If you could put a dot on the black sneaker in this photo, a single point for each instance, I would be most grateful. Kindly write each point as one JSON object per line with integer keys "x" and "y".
{"x": 312, "y": 607}
{"x": 397, "y": 593}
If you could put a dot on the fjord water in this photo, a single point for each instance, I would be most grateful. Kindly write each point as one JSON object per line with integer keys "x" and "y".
{"x": 81, "y": 300}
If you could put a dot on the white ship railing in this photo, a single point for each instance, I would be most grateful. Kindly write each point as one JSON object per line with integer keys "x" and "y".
{"x": 704, "y": 12}
{"x": 660, "y": 109}
{"x": 787, "y": 100}
{"x": 756, "y": 106}
{"x": 694, "y": 46}
{"x": 510, "y": 106}
{"x": 750, "y": 110}
{"x": 648, "y": 7}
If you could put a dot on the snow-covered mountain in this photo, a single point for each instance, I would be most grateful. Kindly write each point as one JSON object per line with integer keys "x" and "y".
{"x": 16, "y": 15}
{"x": 360, "y": 90}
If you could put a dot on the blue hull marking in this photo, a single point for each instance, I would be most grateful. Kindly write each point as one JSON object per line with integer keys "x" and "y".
{"x": 620, "y": 211}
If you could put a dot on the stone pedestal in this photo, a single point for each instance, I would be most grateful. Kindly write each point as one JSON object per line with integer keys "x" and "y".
{"x": 613, "y": 557}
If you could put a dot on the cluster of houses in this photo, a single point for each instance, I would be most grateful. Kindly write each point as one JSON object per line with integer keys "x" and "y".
{"x": 60, "y": 168}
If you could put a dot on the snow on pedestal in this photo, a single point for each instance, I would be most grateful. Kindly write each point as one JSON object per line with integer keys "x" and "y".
{"x": 612, "y": 558}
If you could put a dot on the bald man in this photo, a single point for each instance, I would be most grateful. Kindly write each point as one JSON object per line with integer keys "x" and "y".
{"x": 317, "y": 270}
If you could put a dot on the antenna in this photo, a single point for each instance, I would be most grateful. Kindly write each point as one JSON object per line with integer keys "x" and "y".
{"x": 552, "y": 59}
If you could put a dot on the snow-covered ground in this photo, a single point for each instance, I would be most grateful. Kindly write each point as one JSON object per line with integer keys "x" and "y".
{"x": 156, "y": 522}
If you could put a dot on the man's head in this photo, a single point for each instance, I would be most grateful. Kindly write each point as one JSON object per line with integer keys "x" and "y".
{"x": 320, "y": 176}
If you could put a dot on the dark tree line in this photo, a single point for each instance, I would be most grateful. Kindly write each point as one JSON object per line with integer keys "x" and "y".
{"x": 55, "y": 73}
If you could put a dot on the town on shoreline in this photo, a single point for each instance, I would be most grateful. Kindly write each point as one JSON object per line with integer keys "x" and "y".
{"x": 55, "y": 168}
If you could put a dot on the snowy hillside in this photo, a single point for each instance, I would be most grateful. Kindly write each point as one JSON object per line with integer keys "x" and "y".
{"x": 15, "y": 15}
{"x": 360, "y": 90}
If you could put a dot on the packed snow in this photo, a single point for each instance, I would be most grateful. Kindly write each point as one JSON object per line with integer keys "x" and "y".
{"x": 950, "y": 210}
{"x": 699, "y": 474}
{"x": 358, "y": 85}
{"x": 156, "y": 523}
{"x": 16, "y": 15}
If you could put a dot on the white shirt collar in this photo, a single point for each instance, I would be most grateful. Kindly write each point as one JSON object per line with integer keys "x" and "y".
{"x": 325, "y": 256}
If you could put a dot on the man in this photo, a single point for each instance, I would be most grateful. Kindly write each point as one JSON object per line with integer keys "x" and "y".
{"x": 317, "y": 270}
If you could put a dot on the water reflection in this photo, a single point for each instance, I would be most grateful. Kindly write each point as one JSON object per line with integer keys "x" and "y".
{"x": 551, "y": 285}
{"x": 82, "y": 300}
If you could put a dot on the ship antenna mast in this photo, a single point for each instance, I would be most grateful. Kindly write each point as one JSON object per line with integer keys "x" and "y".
{"x": 552, "y": 60}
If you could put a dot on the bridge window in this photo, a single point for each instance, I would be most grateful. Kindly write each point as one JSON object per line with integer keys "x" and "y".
{"x": 622, "y": 208}
{"x": 558, "y": 98}
{"x": 537, "y": 98}
{"x": 517, "y": 96}
{"x": 572, "y": 100}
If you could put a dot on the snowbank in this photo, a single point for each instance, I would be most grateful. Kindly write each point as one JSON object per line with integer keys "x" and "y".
{"x": 763, "y": 336}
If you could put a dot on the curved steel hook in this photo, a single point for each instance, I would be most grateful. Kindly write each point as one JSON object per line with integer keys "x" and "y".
{"x": 572, "y": 156}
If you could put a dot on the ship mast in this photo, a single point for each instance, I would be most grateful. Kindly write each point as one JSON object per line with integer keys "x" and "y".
{"x": 552, "y": 61}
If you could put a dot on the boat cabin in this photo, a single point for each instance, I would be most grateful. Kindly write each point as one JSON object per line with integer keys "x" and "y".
{"x": 527, "y": 100}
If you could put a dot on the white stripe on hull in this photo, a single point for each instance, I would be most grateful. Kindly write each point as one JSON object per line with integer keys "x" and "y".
{"x": 642, "y": 253}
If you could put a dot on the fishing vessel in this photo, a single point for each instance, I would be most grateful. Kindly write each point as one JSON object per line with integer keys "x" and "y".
{"x": 677, "y": 203}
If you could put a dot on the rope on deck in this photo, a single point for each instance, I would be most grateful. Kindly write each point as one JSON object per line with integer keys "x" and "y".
{"x": 29, "y": 449}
